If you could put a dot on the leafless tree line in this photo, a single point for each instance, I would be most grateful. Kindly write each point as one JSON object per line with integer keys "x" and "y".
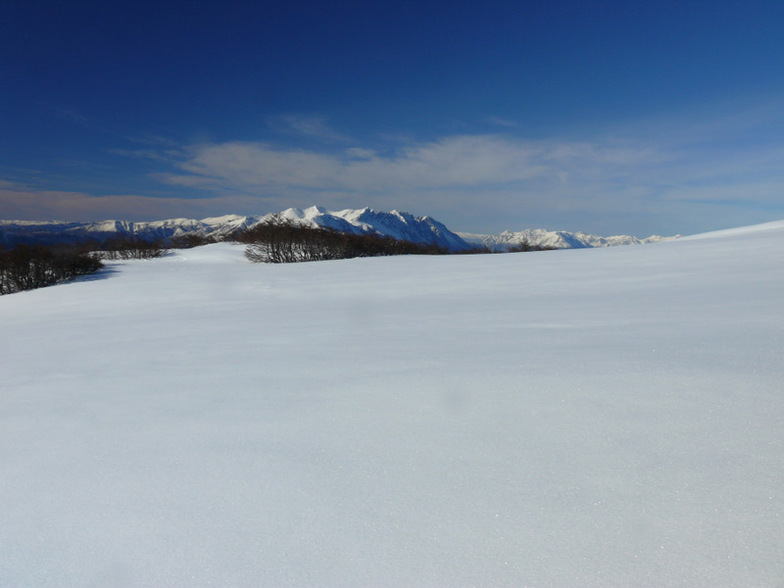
{"x": 280, "y": 240}
{"x": 26, "y": 267}
{"x": 34, "y": 266}
{"x": 129, "y": 248}
{"x": 525, "y": 245}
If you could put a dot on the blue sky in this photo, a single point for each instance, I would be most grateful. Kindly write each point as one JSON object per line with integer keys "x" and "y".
{"x": 608, "y": 117}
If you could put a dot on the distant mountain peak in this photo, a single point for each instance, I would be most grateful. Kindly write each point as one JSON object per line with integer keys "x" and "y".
{"x": 399, "y": 225}
{"x": 553, "y": 239}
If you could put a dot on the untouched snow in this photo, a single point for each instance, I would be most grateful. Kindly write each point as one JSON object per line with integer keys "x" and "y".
{"x": 596, "y": 417}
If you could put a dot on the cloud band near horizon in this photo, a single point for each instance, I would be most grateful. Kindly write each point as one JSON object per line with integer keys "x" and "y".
{"x": 661, "y": 176}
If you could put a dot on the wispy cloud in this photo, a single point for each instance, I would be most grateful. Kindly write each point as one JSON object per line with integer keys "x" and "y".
{"x": 456, "y": 162}
{"x": 161, "y": 156}
{"x": 472, "y": 165}
{"x": 498, "y": 121}
{"x": 313, "y": 127}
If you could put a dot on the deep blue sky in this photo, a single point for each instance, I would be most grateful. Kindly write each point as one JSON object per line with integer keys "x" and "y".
{"x": 607, "y": 117}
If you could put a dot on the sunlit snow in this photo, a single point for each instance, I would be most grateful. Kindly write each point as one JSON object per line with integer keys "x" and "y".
{"x": 600, "y": 417}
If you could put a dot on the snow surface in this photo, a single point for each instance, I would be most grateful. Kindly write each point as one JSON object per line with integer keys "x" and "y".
{"x": 593, "y": 417}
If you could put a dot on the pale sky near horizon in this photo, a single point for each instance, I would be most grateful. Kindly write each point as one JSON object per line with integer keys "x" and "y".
{"x": 611, "y": 117}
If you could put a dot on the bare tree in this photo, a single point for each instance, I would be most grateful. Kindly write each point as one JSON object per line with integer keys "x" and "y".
{"x": 126, "y": 247}
{"x": 27, "y": 267}
{"x": 280, "y": 240}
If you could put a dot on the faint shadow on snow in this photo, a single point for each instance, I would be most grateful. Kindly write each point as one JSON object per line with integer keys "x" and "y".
{"x": 102, "y": 274}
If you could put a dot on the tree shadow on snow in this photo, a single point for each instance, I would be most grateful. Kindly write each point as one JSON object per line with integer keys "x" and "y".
{"x": 104, "y": 273}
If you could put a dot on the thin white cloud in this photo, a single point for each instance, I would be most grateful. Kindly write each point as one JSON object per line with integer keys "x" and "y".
{"x": 162, "y": 156}
{"x": 501, "y": 122}
{"x": 314, "y": 127}
{"x": 254, "y": 166}
{"x": 456, "y": 162}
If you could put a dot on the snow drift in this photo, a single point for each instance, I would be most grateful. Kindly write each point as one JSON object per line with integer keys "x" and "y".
{"x": 595, "y": 417}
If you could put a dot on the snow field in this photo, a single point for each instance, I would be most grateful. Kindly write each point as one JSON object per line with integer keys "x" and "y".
{"x": 600, "y": 417}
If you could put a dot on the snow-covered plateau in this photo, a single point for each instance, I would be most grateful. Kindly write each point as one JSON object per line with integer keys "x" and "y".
{"x": 583, "y": 417}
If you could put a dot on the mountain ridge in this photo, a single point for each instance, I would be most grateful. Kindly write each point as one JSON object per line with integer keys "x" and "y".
{"x": 545, "y": 239}
{"x": 399, "y": 225}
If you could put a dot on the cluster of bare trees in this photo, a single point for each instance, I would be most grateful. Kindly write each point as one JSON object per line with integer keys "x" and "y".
{"x": 26, "y": 267}
{"x": 130, "y": 248}
{"x": 525, "y": 245}
{"x": 279, "y": 240}
{"x": 34, "y": 266}
{"x": 190, "y": 240}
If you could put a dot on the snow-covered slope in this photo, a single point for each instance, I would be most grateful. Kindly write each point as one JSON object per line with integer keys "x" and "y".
{"x": 553, "y": 239}
{"x": 593, "y": 417}
{"x": 399, "y": 225}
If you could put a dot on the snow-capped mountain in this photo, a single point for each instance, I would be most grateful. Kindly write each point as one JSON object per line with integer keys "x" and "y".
{"x": 400, "y": 225}
{"x": 545, "y": 239}
{"x": 13, "y": 232}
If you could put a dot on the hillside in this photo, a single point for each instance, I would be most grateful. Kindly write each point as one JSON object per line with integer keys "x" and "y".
{"x": 592, "y": 417}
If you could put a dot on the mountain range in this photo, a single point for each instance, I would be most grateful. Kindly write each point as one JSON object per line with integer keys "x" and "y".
{"x": 545, "y": 239}
{"x": 399, "y": 225}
